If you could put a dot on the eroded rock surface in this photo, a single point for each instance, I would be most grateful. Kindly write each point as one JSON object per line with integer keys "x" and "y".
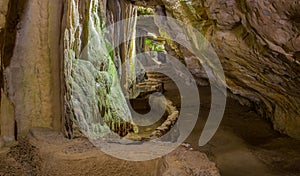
{"x": 185, "y": 163}
{"x": 258, "y": 44}
{"x": 94, "y": 100}
{"x": 45, "y": 152}
{"x": 30, "y": 63}
{"x": 3, "y": 12}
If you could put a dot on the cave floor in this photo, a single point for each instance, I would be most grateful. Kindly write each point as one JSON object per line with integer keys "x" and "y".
{"x": 46, "y": 152}
{"x": 245, "y": 143}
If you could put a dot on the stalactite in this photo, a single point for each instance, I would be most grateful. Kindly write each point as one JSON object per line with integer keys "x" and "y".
{"x": 125, "y": 53}
{"x": 93, "y": 90}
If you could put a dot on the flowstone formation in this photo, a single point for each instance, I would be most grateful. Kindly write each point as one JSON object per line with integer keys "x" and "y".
{"x": 94, "y": 99}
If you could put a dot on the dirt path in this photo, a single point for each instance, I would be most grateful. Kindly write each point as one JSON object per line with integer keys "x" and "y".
{"x": 245, "y": 144}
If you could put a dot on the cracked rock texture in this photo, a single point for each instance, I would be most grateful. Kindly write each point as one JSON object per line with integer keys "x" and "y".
{"x": 258, "y": 43}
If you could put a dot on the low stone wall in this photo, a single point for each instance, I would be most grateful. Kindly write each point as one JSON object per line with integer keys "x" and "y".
{"x": 169, "y": 123}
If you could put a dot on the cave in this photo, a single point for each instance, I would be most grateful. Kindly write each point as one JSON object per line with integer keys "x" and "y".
{"x": 150, "y": 87}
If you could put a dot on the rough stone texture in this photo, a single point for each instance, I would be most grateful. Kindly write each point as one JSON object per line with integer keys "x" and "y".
{"x": 3, "y": 12}
{"x": 78, "y": 157}
{"x": 146, "y": 2}
{"x": 168, "y": 124}
{"x": 258, "y": 44}
{"x": 45, "y": 152}
{"x": 122, "y": 38}
{"x": 9, "y": 165}
{"x": 7, "y": 122}
{"x": 185, "y": 163}
{"x": 94, "y": 100}
{"x": 32, "y": 73}
{"x": 6, "y": 109}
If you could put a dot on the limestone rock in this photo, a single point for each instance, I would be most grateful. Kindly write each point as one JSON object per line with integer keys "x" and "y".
{"x": 7, "y": 119}
{"x": 185, "y": 163}
{"x": 94, "y": 99}
{"x": 3, "y": 13}
{"x": 31, "y": 70}
{"x": 2, "y": 143}
{"x": 258, "y": 44}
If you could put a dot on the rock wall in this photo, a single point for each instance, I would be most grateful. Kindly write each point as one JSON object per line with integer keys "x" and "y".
{"x": 125, "y": 13}
{"x": 258, "y": 43}
{"x": 3, "y": 13}
{"x": 93, "y": 91}
{"x": 30, "y": 63}
{"x": 6, "y": 108}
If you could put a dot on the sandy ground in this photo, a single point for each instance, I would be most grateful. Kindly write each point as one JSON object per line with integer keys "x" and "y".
{"x": 46, "y": 152}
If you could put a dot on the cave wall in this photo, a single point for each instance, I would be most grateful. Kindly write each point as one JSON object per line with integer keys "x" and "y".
{"x": 37, "y": 84}
{"x": 6, "y": 107}
{"x": 3, "y": 13}
{"x": 30, "y": 56}
{"x": 93, "y": 93}
{"x": 125, "y": 13}
{"x": 258, "y": 43}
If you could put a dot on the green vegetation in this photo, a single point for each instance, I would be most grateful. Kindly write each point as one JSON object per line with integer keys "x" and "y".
{"x": 154, "y": 45}
{"x": 145, "y": 11}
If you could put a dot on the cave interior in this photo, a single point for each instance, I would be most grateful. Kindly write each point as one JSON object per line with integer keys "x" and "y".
{"x": 105, "y": 87}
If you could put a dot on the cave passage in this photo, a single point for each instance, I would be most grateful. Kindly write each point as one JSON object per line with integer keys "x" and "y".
{"x": 139, "y": 87}
{"x": 253, "y": 138}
